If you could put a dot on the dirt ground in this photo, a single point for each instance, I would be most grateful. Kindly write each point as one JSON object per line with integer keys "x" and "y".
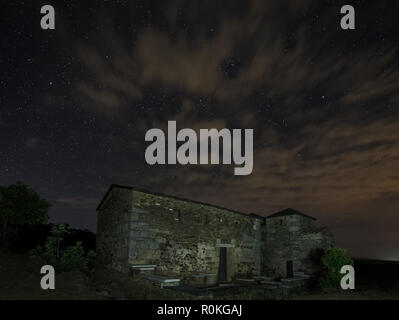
{"x": 20, "y": 279}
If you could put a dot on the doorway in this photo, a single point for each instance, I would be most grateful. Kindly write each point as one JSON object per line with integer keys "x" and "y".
{"x": 222, "y": 274}
{"x": 290, "y": 269}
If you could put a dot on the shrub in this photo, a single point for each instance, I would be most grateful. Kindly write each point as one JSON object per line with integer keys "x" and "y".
{"x": 333, "y": 260}
{"x": 74, "y": 257}
{"x": 63, "y": 259}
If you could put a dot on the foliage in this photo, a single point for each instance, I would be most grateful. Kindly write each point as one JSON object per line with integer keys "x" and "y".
{"x": 63, "y": 259}
{"x": 29, "y": 237}
{"x": 74, "y": 257}
{"x": 20, "y": 205}
{"x": 333, "y": 260}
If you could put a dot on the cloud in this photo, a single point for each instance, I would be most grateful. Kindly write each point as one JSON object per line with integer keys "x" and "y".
{"x": 344, "y": 175}
{"x": 32, "y": 142}
{"x": 115, "y": 85}
{"x": 78, "y": 202}
{"x": 347, "y": 160}
{"x": 322, "y": 105}
{"x": 286, "y": 59}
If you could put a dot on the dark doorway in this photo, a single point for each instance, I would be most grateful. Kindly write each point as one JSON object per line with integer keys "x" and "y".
{"x": 290, "y": 269}
{"x": 223, "y": 265}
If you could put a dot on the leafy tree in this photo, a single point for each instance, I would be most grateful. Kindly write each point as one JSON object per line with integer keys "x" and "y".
{"x": 51, "y": 250}
{"x": 333, "y": 260}
{"x": 20, "y": 205}
{"x": 58, "y": 232}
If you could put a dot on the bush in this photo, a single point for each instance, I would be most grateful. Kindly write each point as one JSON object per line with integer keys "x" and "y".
{"x": 63, "y": 259}
{"x": 333, "y": 260}
{"x": 28, "y": 237}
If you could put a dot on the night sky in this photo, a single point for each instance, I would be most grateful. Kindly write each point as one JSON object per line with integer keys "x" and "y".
{"x": 76, "y": 102}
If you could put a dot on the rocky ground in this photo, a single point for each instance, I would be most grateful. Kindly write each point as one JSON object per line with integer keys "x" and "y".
{"x": 20, "y": 279}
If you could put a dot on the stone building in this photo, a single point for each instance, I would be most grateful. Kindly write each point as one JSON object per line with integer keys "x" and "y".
{"x": 186, "y": 238}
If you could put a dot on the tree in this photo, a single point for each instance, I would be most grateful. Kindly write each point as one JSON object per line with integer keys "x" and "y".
{"x": 63, "y": 259}
{"x": 58, "y": 232}
{"x": 20, "y": 205}
{"x": 333, "y": 260}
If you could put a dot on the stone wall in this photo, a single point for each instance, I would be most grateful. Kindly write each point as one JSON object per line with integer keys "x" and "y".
{"x": 310, "y": 246}
{"x": 293, "y": 238}
{"x": 113, "y": 229}
{"x": 184, "y": 238}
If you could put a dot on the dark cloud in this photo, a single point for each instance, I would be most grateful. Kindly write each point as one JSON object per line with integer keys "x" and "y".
{"x": 78, "y": 203}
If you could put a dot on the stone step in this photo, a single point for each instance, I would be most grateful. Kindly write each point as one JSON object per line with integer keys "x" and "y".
{"x": 301, "y": 274}
{"x": 163, "y": 281}
{"x": 199, "y": 275}
{"x": 226, "y": 284}
{"x": 211, "y": 278}
{"x": 143, "y": 267}
{"x": 271, "y": 283}
{"x": 204, "y": 275}
{"x": 263, "y": 278}
{"x": 204, "y": 278}
{"x": 247, "y": 280}
{"x": 293, "y": 279}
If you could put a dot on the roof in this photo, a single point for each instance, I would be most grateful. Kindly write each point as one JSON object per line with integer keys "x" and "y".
{"x": 289, "y": 212}
{"x": 177, "y": 198}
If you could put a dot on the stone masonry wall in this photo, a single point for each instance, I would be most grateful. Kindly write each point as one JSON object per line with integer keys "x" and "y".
{"x": 309, "y": 248}
{"x": 184, "y": 238}
{"x": 292, "y": 238}
{"x": 113, "y": 230}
